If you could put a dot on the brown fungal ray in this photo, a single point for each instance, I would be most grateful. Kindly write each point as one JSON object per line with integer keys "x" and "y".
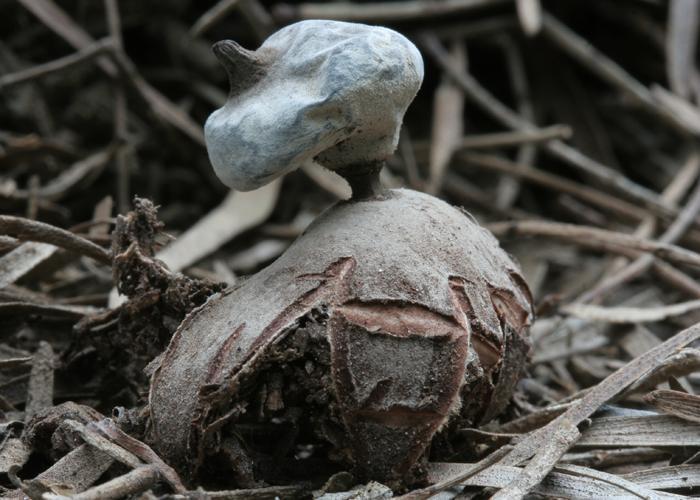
{"x": 421, "y": 304}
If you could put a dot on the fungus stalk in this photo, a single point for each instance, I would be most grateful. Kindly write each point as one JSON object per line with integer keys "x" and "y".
{"x": 364, "y": 180}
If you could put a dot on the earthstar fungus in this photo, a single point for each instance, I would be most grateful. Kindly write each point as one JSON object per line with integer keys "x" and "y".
{"x": 393, "y": 317}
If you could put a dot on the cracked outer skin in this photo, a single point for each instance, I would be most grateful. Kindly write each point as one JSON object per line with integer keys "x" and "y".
{"x": 428, "y": 322}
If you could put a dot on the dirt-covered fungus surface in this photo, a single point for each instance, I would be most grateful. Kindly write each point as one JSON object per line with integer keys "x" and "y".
{"x": 164, "y": 337}
{"x": 403, "y": 335}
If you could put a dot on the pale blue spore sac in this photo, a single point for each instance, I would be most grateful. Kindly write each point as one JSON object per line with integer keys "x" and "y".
{"x": 334, "y": 92}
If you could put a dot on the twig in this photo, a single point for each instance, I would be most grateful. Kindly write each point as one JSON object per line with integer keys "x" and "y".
{"x": 259, "y": 19}
{"x": 676, "y": 278}
{"x": 447, "y": 121}
{"x": 478, "y": 28}
{"x": 238, "y": 212}
{"x": 72, "y": 176}
{"x": 7, "y": 244}
{"x": 509, "y": 118}
{"x": 79, "y": 469}
{"x": 62, "y": 24}
{"x": 624, "y": 484}
{"x": 328, "y": 180}
{"x": 120, "y": 112}
{"x": 556, "y": 183}
{"x": 607, "y": 458}
{"x": 469, "y": 471}
{"x": 108, "y": 428}
{"x": 407, "y": 152}
{"x": 681, "y": 41}
{"x": 515, "y": 138}
{"x": 82, "y": 56}
{"x": 212, "y": 16}
{"x": 530, "y": 16}
{"x": 682, "y": 111}
{"x": 537, "y": 418}
{"x": 15, "y": 363}
{"x": 676, "y": 403}
{"x": 40, "y": 390}
{"x": 265, "y": 493}
{"x": 32, "y": 198}
{"x": 546, "y": 458}
{"x": 462, "y": 190}
{"x": 497, "y": 140}
{"x": 378, "y": 11}
{"x": 671, "y": 195}
{"x": 509, "y": 187}
{"x": 29, "y": 230}
{"x": 161, "y": 105}
{"x": 138, "y": 480}
{"x": 562, "y": 436}
{"x": 68, "y": 312}
{"x": 597, "y": 62}
{"x": 629, "y": 314}
{"x": 561, "y": 485}
{"x": 680, "y": 364}
{"x": 592, "y": 235}
{"x": 672, "y": 234}
{"x": 22, "y": 260}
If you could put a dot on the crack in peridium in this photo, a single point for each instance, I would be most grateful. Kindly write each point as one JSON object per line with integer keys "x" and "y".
{"x": 488, "y": 353}
{"x": 508, "y": 309}
{"x": 333, "y": 286}
{"x": 409, "y": 320}
{"x": 332, "y": 289}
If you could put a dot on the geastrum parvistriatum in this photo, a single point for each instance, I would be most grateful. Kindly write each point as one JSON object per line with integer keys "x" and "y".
{"x": 391, "y": 317}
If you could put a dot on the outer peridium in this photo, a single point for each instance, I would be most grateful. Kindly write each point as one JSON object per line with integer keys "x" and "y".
{"x": 420, "y": 329}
